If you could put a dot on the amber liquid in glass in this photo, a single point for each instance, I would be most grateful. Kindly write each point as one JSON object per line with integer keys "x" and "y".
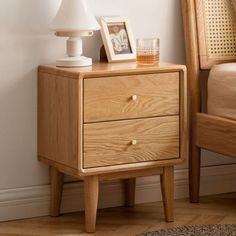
{"x": 150, "y": 59}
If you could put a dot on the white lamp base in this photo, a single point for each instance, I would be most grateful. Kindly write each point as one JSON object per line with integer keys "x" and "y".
{"x": 78, "y": 61}
{"x": 74, "y": 52}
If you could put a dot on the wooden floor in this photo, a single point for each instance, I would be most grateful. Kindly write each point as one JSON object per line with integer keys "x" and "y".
{"x": 127, "y": 222}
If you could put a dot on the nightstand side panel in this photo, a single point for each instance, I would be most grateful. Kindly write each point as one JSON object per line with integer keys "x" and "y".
{"x": 58, "y": 119}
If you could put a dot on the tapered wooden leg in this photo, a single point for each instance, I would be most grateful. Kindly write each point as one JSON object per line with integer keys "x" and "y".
{"x": 57, "y": 180}
{"x": 91, "y": 191}
{"x": 167, "y": 187}
{"x": 194, "y": 173}
{"x": 130, "y": 185}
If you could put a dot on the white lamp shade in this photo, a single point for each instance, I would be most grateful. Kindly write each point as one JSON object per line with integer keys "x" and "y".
{"x": 74, "y": 16}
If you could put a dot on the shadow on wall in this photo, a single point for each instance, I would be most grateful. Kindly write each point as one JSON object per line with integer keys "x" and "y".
{"x": 92, "y": 46}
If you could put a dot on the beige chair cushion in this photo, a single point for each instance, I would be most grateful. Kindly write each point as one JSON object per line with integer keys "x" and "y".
{"x": 234, "y": 3}
{"x": 222, "y": 91}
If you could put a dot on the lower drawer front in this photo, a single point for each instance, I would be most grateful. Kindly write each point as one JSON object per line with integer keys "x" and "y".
{"x": 132, "y": 141}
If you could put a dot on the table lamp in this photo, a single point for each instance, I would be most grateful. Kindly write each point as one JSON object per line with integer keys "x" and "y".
{"x": 74, "y": 19}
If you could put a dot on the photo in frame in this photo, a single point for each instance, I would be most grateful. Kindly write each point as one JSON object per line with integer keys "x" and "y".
{"x": 118, "y": 39}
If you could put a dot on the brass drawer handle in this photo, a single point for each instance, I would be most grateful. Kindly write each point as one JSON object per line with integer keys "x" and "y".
{"x": 134, "y": 97}
{"x": 134, "y": 142}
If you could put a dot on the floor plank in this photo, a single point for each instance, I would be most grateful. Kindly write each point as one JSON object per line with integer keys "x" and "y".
{"x": 220, "y": 209}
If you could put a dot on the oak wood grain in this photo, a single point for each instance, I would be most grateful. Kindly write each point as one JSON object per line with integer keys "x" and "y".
{"x": 60, "y": 75}
{"x": 109, "y": 69}
{"x": 110, "y": 143}
{"x": 62, "y": 168}
{"x": 57, "y": 180}
{"x": 148, "y": 135}
{"x": 57, "y": 119}
{"x": 216, "y": 134}
{"x": 91, "y": 190}
{"x": 192, "y": 58}
{"x": 167, "y": 188}
{"x": 126, "y": 97}
{"x": 196, "y": 44}
{"x": 131, "y": 173}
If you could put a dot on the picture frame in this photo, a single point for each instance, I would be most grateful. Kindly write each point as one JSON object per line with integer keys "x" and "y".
{"x": 118, "y": 39}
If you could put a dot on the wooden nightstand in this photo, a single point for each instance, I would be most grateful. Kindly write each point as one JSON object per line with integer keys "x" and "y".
{"x": 112, "y": 121}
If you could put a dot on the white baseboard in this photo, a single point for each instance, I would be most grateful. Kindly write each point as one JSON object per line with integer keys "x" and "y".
{"x": 34, "y": 201}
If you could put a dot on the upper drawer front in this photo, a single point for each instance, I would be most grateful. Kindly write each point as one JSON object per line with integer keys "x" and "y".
{"x": 131, "y": 141}
{"x": 127, "y": 97}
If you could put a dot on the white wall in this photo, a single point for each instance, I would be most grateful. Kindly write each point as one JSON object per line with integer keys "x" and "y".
{"x": 25, "y": 42}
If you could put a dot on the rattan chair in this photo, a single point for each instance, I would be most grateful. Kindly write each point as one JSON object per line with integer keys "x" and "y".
{"x": 210, "y": 37}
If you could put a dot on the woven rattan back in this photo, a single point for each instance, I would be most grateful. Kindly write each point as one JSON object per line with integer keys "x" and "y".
{"x": 216, "y": 26}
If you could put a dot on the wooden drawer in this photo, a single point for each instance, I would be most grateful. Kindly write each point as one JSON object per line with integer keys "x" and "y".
{"x": 110, "y": 143}
{"x": 127, "y": 97}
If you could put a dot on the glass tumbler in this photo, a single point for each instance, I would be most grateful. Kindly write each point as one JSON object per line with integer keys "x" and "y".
{"x": 148, "y": 51}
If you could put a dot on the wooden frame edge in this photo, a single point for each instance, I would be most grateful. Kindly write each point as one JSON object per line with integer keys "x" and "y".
{"x": 216, "y": 134}
{"x": 107, "y": 44}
